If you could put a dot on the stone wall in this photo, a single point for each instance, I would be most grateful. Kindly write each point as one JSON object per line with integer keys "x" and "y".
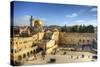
{"x": 76, "y": 38}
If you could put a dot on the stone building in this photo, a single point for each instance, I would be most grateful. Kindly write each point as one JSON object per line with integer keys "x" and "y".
{"x": 24, "y": 47}
{"x": 21, "y": 49}
{"x": 49, "y": 42}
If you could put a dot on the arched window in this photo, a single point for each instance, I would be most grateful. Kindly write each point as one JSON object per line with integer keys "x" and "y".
{"x": 16, "y": 43}
{"x": 71, "y": 57}
{"x": 82, "y": 56}
{"x": 83, "y": 41}
{"x": 80, "y": 40}
{"x": 19, "y": 57}
{"x": 24, "y": 55}
{"x": 31, "y": 52}
{"x": 12, "y": 50}
{"x": 28, "y": 54}
{"x": 88, "y": 40}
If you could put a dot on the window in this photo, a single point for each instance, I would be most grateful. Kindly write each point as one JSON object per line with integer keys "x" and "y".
{"x": 80, "y": 40}
{"x": 83, "y": 41}
{"x": 71, "y": 57}
{"x": 11, "y": 50}
{"x": 31, "y": 52}
{"x": 28, "y": 54}
{"x": 19, "y": 57}
{"x": 87, "y": 40}
{"x": 24, "y": 55}
{"x": 82, "y": 56}
{"x": 25, "y": 41}
{"x": 11, "y": 42}
{"x": 16, "y": 42}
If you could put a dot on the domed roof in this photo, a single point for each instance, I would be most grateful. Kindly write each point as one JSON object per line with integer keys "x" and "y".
{"x": 38, "y": 22}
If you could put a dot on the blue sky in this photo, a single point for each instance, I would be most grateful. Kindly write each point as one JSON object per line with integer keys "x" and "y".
{"x": 54, "y": 14}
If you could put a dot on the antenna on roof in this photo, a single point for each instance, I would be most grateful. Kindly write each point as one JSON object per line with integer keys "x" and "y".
{"x": 31, "y": 17}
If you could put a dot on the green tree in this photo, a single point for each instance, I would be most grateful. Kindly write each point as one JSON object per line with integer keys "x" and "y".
{"x": 90, "y": 29}
{"x": 80, "y": 28}
{"x": 64, "y": 28}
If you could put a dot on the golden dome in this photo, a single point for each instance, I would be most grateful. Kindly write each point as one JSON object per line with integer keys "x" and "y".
{"x": 38, "y": 22}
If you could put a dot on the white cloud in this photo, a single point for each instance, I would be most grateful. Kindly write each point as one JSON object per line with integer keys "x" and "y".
{"x": 22, "y": 20}
{"x": 72, "y": 15}
{"x": 93, "y": 10}
{"x": 43, "y": 19}
{"x": 81, "y": 22}
{"x": 93, "y": 22}
{"x": 84, "y": 22}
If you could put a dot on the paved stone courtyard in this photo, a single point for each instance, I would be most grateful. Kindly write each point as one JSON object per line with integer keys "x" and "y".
{"x": 63, "y": 57}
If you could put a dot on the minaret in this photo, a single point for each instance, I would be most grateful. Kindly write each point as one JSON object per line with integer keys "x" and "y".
{"x": 30, "y": 21}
